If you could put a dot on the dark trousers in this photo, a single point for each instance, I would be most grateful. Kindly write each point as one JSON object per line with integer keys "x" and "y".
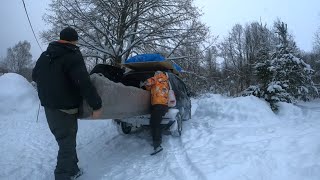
{"x": 157, "y": 111}
{"x": 64, "y": 127}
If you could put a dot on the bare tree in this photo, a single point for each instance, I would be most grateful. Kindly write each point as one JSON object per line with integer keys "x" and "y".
{"x": 112, "y": 30}
{"x": 232, "y": 50}
{"x": 241, "y": 50}
{"x": 313, "y": 58}
{"x": 211, "y": 60}
{"x": 316, "y": 43}
{"x": 18, "y": 58}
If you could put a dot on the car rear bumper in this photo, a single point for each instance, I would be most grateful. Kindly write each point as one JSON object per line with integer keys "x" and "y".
{"x": 145, "y": 119}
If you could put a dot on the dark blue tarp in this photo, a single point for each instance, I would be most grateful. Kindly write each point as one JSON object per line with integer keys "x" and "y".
{"x": 177, "y": 67}
{"x": 141, "y": 58}
{"x": 145, "y": 58}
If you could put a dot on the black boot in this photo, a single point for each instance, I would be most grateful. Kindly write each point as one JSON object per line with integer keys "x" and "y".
{"x": 156, "y": 150}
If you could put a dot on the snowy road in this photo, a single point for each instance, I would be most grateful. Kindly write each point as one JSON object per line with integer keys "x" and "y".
{"x": 226, "y": 139}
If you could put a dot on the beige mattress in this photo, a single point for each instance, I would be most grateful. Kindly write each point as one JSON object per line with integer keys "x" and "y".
{"x": 118, "y": 101}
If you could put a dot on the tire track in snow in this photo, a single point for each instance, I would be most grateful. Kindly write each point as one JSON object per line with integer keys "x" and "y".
{"x": 190, "y": 170}
{"x": 315, "y": 109}
{"x": 36, "y": 148}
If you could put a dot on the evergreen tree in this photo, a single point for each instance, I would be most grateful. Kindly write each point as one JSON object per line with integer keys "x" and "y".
{"x": 287, "y": 68}
{"x": 283, "y": 77}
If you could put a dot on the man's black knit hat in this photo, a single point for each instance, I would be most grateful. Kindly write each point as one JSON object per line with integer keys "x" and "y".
{"x": 69, "y": 34}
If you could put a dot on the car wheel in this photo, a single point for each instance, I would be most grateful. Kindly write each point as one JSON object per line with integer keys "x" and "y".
{"x": 189, "y": 114}
{"x": 186, "y": 114}
{"x": 179, "y": 121}
{"x": 178, "y": 131}
{"x": 125, "y": 127}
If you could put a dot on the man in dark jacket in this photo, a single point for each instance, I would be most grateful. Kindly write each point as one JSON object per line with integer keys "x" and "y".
{"x": 63, "y": 81}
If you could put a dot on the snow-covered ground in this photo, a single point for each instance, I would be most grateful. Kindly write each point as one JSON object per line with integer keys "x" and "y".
{"x": 226, "y": 139}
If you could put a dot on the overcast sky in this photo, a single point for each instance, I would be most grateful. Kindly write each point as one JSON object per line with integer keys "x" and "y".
{"x": 302, "y": 17}
{"x": 15, "y": 26}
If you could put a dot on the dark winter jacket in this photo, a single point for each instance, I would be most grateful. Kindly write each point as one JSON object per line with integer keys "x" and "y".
{"x": 62, "y": 78}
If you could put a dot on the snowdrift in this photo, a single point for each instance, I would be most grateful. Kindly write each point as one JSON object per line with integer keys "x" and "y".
{"x": 16, "y": 94}
{"x": 250, "y": 109}
{"x": 226, "y": 139}
{"x": 28, "y": 149}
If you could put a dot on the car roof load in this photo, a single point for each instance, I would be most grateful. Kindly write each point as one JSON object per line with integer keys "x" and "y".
{"x": 151, "y": 62}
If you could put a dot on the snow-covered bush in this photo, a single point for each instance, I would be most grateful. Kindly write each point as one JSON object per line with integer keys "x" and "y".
{"x": 252, "y": 90}
{"x": 284, "y": 77}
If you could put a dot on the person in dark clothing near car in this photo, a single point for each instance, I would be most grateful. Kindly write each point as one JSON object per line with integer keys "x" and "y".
{"x": 63, "y": 81}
